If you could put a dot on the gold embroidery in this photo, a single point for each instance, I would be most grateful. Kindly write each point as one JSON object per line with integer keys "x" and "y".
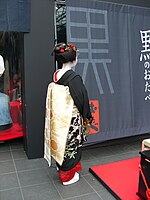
{"x": 59, "y": 107}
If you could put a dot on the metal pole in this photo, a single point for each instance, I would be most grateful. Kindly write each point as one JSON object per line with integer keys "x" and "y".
{"x": 55, "y": 27}
{"x": 60, "y": 2}
{"x": 55, "y": 31}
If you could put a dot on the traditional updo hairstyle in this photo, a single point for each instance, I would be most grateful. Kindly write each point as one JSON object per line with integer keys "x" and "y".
{"x": 64, "y": 52}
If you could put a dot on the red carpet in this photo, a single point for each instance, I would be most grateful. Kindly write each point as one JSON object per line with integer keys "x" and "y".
{"x": 120, "y": 178}
{"x": 14, "y": 132}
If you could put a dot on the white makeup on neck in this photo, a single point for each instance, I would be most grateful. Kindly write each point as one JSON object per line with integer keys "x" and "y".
{"x": 2, "y": 68}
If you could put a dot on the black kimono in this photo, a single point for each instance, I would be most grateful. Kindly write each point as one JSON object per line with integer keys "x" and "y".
{"x": 81, "y": 101}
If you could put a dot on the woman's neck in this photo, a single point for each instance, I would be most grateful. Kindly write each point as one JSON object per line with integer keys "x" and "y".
{"x": 67, "y": 66}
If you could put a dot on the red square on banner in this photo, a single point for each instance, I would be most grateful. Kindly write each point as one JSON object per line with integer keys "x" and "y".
{"x": 95, "y": 126}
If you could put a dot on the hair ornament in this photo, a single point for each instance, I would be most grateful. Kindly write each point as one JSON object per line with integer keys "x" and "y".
{"x": 73, "y": 47}
{"x": 65, "y": 47}
{"x": 65, "y": 52}
{"x": 61, "y": 50}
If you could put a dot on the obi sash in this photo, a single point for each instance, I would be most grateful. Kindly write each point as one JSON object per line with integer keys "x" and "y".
{"x": 59, "y": 108}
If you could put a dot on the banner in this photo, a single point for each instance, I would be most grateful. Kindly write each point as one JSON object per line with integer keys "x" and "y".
{"x": 15, "y": 15}
{"x": 114, "y": 45}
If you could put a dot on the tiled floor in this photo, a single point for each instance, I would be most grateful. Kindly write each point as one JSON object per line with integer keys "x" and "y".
{"x": 24, "y": 179}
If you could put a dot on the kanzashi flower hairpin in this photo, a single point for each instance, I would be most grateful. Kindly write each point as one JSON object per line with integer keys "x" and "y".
{"x": 63, "y": 48}
{"x": 72, "y": 46}
{"x": 67, "y": 47}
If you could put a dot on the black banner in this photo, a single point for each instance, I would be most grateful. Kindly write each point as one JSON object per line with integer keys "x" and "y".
{"x": 114, "y": 45}
{"x": 15, "y": 15}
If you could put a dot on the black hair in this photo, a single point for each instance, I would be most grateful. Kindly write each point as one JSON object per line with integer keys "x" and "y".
{"x": 64, "y": 52}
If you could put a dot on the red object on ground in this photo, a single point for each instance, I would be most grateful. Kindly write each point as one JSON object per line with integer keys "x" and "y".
{"x": 14, "y": 132}
{"x": 65, "y": 176}
{"x": 15, "y": 108}
{"x": 120, "y": 178}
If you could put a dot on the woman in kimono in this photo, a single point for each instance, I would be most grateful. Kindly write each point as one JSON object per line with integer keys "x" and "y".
{"x": 67, "y": 55}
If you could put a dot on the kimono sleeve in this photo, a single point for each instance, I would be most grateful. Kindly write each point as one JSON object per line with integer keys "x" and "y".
{"x": 80, "y": 96}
